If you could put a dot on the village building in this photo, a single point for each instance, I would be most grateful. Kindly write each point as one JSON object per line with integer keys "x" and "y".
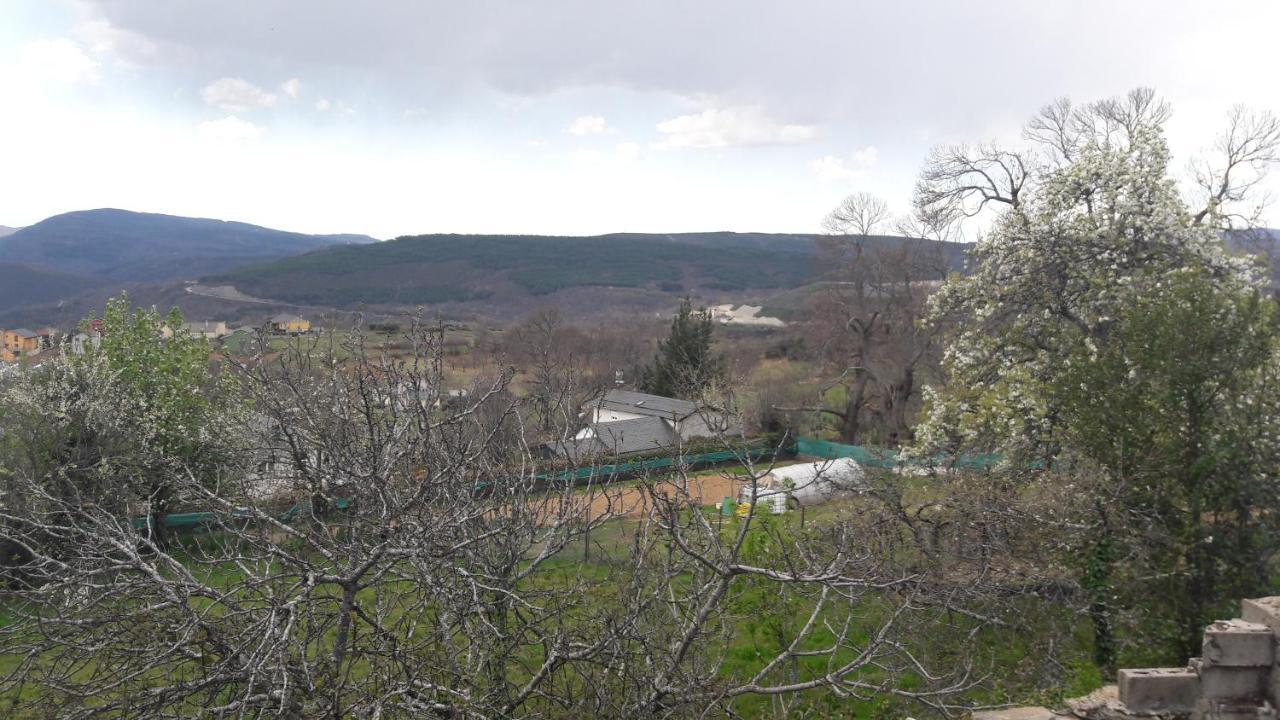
{"x": 21, "y": 341}
{"x": 625, "y": 422}
{"x": 82, "y": 342}
{"x": 209, "y": 330}
{"x": 285, "y": 324}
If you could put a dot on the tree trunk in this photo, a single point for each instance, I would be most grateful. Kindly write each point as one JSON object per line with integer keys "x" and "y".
{"x": 851, "y": 425}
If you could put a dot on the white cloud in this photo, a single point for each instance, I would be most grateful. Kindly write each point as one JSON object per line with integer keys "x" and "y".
{"x": 126, "y": 48}
{"x": 236, "y": 95}
{"x": 588, "y": 125}
{"x": 832, "y": 168}
{"x": 326, "y": 105}
{"x": 229, "y": 129}
{"x": 59, "y": 60}
{"x": 725, "y": 127}
{"x": 291, "y": 87}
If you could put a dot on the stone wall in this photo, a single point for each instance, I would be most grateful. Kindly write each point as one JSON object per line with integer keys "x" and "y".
{"x": 1236, "y": 677}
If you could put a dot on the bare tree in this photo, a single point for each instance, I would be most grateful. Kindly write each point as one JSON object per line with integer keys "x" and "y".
{"x": 963, "y": 180}
{"x": 864, "y": 320}
{"x": 1228, "y": 180}
{"x": 402, "y": 555}
{"x": 858, "y": 214}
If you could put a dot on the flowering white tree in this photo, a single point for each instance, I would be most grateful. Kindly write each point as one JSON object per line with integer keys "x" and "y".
{"x": 1091, "y": 230}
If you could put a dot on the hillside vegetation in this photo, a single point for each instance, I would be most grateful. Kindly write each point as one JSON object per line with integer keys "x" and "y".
{"x": 440, "y": 268}
{"x": 26, "y": 285}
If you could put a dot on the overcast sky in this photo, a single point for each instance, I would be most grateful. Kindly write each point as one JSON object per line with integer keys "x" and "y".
{"x": 392, "y": 117}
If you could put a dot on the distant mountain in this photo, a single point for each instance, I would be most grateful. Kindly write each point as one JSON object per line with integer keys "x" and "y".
{"x": 6, "y": 230}
{"x": 30, "y": 285}
{"x": 509, "y": 269}
{"x": 126, "y": 246}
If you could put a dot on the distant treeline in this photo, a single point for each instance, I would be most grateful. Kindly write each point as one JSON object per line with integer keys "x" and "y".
{"x": 444, "y": 268}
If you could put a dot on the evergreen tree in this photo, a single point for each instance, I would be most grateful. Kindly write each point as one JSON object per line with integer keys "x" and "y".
{"x": 685, "y": 366}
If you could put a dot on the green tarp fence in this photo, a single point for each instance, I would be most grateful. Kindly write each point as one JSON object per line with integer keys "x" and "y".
{"x": 813, "y": 447}
{"x": 887, "y": 458}
{"x": 611, "y": 472}
{"x": 636, "y": 467}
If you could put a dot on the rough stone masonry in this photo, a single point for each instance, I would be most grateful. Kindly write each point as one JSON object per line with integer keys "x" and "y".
{"x": 1236, "y": 677}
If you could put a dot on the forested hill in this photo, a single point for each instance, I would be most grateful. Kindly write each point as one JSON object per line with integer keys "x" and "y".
{"x": 146, "y": 247}
{"x": 30, "y": 285}
{"x": 444, "y": 268}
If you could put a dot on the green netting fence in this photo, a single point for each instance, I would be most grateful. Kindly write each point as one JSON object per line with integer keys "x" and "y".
{"x": 888, "y": 458}
{"x": 614, "y": 472}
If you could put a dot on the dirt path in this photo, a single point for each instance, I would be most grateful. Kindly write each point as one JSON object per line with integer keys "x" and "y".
{"x": 631, "y": 500}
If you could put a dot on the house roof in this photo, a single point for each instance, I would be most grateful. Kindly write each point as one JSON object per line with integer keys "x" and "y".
{"x": 285, "y": 318}
{"x": 24, "y": 333}
{"x": 622, "y": 437}
{"x": 640, "y": 435}
{"x": 638, "y": 403}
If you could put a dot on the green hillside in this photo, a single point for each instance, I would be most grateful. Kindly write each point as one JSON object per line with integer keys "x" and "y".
{"x": 439, "y": 268}
{"x": 29, "y": 285}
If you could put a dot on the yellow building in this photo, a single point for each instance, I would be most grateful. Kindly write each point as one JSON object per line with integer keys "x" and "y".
{"x": 20, "y": 341}
{"x": 289, "y": 324}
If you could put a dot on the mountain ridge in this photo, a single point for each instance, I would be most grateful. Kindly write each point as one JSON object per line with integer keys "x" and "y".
{"x": 128, "y": 246}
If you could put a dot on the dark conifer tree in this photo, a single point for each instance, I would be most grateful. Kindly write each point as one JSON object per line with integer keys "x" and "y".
{"x": 685, "y": 365}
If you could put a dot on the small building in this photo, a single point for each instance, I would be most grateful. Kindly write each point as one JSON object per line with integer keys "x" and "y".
{"x": 687, "y": 418}
{"x": 209, "y": 330}
{"x": 625, "y": 422}
{"x": 621, "y": 437}
{"x": 285, "y": 324}
{"x": 22, "y": 340}
{"x": 82, "y": 342}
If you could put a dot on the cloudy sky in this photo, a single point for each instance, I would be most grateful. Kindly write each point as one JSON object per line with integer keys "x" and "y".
{"x": 567, "y": 116}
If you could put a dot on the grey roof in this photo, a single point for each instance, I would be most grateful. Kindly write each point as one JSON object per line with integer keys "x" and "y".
{"x": 632, "y": 436}
{"x": 622, "y": 437}
{"x": 638, "y": 403}
{"x": 23, "y": 332}
{"x": 284, "y": 318}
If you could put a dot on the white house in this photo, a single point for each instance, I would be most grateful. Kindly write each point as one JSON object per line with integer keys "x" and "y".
{"x": 687, "y": 419}
{"x": 623, "y": 422}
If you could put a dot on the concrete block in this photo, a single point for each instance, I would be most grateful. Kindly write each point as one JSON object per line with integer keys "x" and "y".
{"x": 1208, "y": 709}
{"x": 1159, "y": 690}
{"x": 1264, "y": 611}
{"x": 1017, "y": 713}
{"x": 1237, "y": 643}
{"x": 1231, "y": 683}
{"x": 1273, "y": 686}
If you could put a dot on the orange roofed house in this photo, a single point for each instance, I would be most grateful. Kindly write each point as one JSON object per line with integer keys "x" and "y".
{"x": 21, "y": 341}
